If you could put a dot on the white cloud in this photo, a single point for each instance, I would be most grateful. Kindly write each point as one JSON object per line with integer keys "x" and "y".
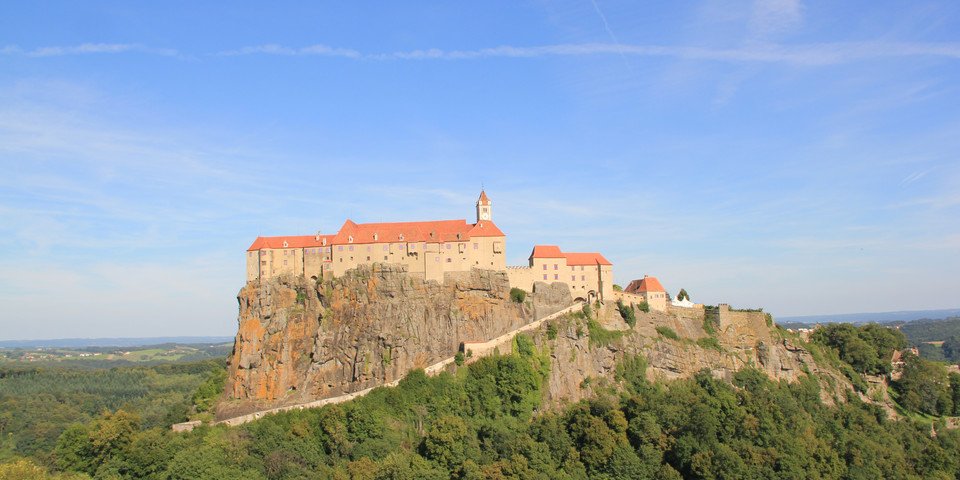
{"x": 775, "y": 16}
{"x": 86, "y": 49}
{"x": 803, "y": 55}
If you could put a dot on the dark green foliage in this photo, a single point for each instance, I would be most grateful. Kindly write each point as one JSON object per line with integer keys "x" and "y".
{"x": 617, "y": 288}
{"x": 518, "y": 294}
{"x": 600, "y": 336}
{"x": 38, "y": 404}
{"x": 551, "y": 331}
{"x": 924, "y": 387}
{"x": 955, "y": 392}
{"x": 458, "y": 359}
{"x": 921, "y": 331}
{"x": 644, "y": 306}
{"x": 207, "y": 394}
{"x": 667, "y": 332}
{"x": 868, "y": 348}
{"x": 683, "y": 295}
{"x": 586, "y": 312}
{"x": 481, "y": 424}
{"x": 627, "y": 313}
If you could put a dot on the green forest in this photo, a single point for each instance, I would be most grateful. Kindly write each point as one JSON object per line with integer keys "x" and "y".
{"x": 487, "y": 421}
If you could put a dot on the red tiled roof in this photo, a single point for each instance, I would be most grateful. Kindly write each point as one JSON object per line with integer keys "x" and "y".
{"x": 484, "y": 200}
{"x": 546, "y": 251}
{"x": 646, "y": 284}
{"x": 589, "y": 258}
{"x": 387, "y": 232}
{"x": 486, "y": 228}
{"x": 297, "y": 241}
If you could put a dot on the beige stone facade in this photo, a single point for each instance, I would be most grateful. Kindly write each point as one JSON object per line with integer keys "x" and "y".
{"x": 589, "y": 275}
{"x": 428, "y": 249}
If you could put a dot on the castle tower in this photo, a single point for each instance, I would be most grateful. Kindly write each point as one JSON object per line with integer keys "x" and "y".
{"x": 484, "y": 211}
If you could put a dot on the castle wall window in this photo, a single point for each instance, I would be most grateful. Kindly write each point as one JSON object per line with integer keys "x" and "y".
{"x": 476, "y": 246}
{"x": 573, "y": 278}
{"x": 544, "y": 266}
{"x": 386, "y": 248}
{"x": 448, "y": 246}
{"x": 556, "y": 276}
{"x": 583, "y": 278}
{"x": 449, "y": 260}
{"x": 351, "y": 248}
{"x": 339, "y": 248}
{"x": 556, "y": 267}
{"x": 544, "y": 276}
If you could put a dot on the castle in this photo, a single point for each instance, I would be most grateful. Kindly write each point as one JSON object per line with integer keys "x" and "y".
{"x": 428, "y": 249}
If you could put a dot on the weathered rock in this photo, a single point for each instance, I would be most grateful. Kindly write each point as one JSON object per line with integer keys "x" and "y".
{"x": 577, "y": 366}
{"x": 300, "y": 341}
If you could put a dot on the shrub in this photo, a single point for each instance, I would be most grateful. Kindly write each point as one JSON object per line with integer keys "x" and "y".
{"x": 601, "y": 336}
{"x": 518, "y": 294}
{"x": 587, "y": 311}
{"x": 627, "y": 313}
{"x": 551, "y": 331}
{"x": 667, "y": 332}
{"x": 617, "y": 288}
{"x": 711, "y": 343}
{"x": 458, "y": 359}
{"x": 644, "y": 306}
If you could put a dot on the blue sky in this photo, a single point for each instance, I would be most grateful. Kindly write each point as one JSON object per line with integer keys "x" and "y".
{"x": 793, "y": 155}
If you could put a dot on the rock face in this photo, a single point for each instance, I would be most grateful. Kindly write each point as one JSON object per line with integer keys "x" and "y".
{"x": 739, "y": 339}
{"x": 300, "y": 340}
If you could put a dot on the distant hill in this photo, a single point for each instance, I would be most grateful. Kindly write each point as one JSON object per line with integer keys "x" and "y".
{"x": 932, "y": 330}
{"x": 859, "y": 318}
{"x": 110, "y": 342}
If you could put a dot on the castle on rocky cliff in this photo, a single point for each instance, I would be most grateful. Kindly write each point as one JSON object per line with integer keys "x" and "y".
{"x": 428, "y": 249}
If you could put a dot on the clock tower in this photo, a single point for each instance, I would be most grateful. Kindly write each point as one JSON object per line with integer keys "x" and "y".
{"x": 483, "y": 207}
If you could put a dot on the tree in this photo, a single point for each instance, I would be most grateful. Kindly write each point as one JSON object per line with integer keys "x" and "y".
{"x": 924, "y": 387}
{"x": 518, "y": 294}
{"x": 445, "y": 441}
{"x": 683, "y": 295}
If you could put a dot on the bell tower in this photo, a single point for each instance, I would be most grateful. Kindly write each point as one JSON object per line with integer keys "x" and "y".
{"x": 484, "y": 211}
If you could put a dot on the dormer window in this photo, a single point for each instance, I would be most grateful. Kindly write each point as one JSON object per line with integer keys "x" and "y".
{"x": 375, "y": 237}
{"x": 285, "y": 245}
{"x": 401, "y": 237}
{"x": 323, "y": 242}
{"x": 350, "y": 239}
{"x": 459, "y": 236}
{"x": 432, "y": 234}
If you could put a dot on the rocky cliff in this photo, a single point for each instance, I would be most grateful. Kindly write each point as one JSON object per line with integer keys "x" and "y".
{"x": 721, "y": 342}
{"x": 301, "y": 340}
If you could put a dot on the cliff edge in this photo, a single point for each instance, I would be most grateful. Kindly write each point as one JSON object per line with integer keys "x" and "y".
{"x": 301, "y": 340}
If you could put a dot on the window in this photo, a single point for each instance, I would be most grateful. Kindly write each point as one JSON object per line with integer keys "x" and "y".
{"x": 351, "y": 248}
{"x": 573, "y": 278}
{"x": 476, "y": 246}
{"x": 544, "y": 266}
{"x": 544, "y": 276}
{"x": 556, "y": 267}
{"x": 448, "y": 246}
{"x": 449, "y": 260}
{"x": 583, "y": 278}
{"x": 581, "y": 268}
{"x": 384, "y": 258}
{"x": 263, "y": 262}
{"x": 284, "y": 262}
{"x": 386, "y": 248}
{"x": 413, "y": 246}
{"x": 339, "y": 248}
{"x": 556, "y": 276}
{"x": 368, "y": 258}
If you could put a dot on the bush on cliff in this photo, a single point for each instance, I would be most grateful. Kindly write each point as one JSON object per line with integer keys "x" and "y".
{"x": 518, "y": 294}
